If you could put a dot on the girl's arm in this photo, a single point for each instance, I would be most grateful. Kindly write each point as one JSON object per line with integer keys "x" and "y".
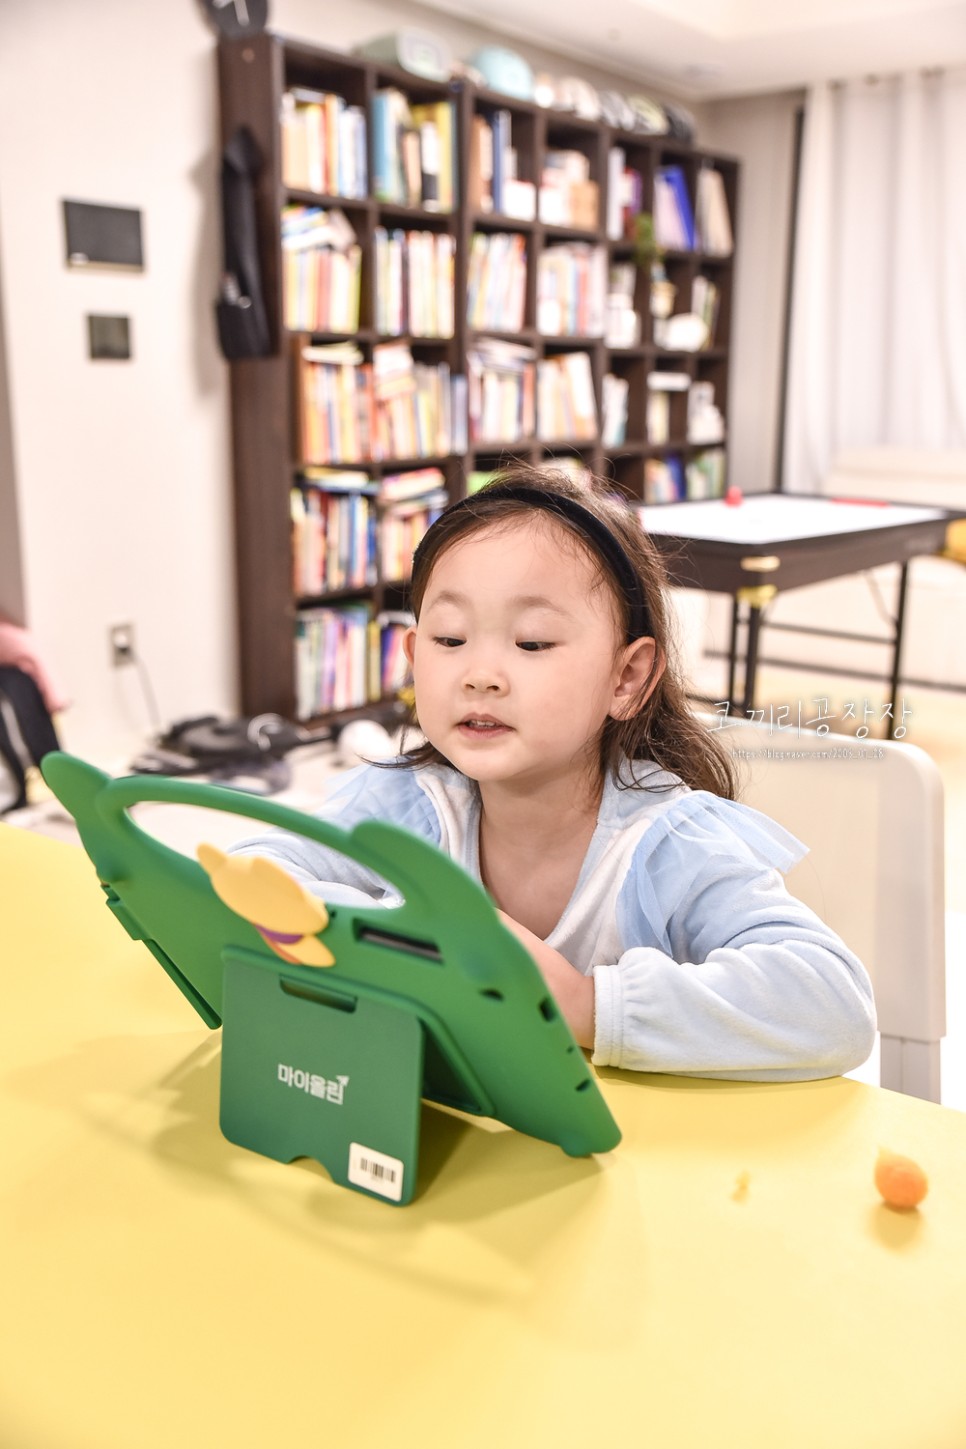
{"x": 363, "y": 793}
{"x": 724, "y": 973}
{"x": 573, "y": 993}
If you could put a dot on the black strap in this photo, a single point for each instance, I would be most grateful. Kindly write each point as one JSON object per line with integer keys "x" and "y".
{"x": 34, "y": 726}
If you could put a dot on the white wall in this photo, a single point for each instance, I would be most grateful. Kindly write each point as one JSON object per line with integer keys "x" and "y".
{"x": 123, "y": 469}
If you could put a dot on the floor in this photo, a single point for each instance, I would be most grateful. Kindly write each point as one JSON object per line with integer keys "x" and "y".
{"x": 937, "y": 723}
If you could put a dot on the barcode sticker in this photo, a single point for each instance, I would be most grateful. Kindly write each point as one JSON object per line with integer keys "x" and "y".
{"x": 375, "y": 1171}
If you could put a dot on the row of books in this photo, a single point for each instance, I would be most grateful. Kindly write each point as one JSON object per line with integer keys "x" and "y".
{"x": 324, "y": 150}
{"x": 347, "y": 657}
{"x": 572, "y": 290}
{"x": 493, "y": 185}
{"x": 338, "y": 659}
{"x": 402, "y": 527}
{"x": 501, "y": 391}
{"x": 566, "y": 404}
{"x": 323, "y": 144}
{"x": 670, "y": 480}
{"x": 414, "y": 283}
{"x": 321, "y": 270}
{"x": 679, "y": 226}
{"x": 393, "y": 407}
{"x": 333, "y": 539}
{"x": 414, "y": 151}
{"x": 496, "y": 291}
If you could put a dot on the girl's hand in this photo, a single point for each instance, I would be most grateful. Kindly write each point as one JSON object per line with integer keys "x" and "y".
{"x": 573, "y": 993}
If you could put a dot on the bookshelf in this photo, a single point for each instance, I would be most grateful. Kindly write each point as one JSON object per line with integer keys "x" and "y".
{"x": 466, "y": 297}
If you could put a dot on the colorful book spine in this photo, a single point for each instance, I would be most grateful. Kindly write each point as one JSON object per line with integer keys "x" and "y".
{"x": 332, "y": 541}
{"x": 572, "y": 290}
{"x": 333, "y": 671}
{"x": 501, "y": 391}
{"x": 673, "y": 214}
{"x": 566, "y": 402}
{"x": 497, "y": 282}
{"x": 323, "y": 144}
{"x": 414, "y": 283}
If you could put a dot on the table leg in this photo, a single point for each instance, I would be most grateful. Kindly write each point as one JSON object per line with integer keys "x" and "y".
{"x": 897, "y": 646}
{"x": 756, "y": 596}
{"x": 751, "y": 657}
{"x": 733, "y": 654}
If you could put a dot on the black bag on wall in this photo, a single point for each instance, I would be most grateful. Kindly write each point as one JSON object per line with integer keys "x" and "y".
{"x": 240, "y": 310}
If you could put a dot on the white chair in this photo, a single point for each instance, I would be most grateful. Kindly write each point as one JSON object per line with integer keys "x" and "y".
{"x": 871, "y": 813}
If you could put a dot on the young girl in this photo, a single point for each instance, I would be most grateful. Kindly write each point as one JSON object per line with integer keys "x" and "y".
{"x": 563, "y": 769}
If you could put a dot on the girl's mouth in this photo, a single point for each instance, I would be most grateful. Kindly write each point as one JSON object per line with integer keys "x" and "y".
{"x": 482, "y": 727}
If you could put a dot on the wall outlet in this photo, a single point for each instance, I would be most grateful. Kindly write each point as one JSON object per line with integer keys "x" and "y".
{"x": 121, "y": 637}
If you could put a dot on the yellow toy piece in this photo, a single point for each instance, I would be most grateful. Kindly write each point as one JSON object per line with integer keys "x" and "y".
{"x": 286, "y": 916}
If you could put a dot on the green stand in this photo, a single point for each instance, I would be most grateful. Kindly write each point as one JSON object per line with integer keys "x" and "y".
{"x": 324, "y": 1057}
{"x": 360, "y": 1119}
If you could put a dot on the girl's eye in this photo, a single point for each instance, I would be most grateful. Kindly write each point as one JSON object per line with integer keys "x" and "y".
{"x": 447, "y": 643}
{"x": 533, "y": 646}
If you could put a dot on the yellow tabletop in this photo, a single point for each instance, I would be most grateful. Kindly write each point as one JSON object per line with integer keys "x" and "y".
{"x": 162, "y": 1287}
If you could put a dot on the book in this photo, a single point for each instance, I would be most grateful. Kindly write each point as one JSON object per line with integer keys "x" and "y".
{"x": 664, "y": 480}
{"x": 338, "y": 480}
{"x": 614, "y": 402}
{"x": 501, "y": 123}
{"x": 674, "y": 217}
{"x": 712, "y": 215}
{"x": 414, "y": 483}
{"x": 704, "y": 304}
{"x": 436, "y": 155}
{"x": 479, "y": 181}
{"x": 706, "y": 474}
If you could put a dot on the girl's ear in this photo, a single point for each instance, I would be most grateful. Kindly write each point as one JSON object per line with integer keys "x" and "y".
{"x": 409, "y": 645}
{"x": 642, "y": 665}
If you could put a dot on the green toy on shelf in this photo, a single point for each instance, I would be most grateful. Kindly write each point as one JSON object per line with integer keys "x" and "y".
{"x": 338, "y": 1019}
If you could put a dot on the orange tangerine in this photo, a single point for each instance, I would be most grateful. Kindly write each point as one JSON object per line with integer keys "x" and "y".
{"x": 902, "y": 1182}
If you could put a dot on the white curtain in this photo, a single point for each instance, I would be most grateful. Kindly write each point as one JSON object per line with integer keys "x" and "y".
{"x": 878, "y": 325}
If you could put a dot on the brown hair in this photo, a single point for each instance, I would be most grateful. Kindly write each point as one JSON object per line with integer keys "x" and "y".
{"x": 663, "y": 728}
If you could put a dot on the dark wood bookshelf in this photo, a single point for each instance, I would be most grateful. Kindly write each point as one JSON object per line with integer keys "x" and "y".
{"x": 254, "y": 75}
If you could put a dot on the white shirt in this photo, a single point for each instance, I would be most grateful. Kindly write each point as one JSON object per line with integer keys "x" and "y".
{"x": 703, "y": 964}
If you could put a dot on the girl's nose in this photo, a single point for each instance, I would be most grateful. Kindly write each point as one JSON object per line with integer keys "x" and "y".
{"x": 483, "y": 678}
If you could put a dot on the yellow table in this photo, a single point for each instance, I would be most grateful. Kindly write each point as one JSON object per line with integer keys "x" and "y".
{"x": 161, "y": 1287}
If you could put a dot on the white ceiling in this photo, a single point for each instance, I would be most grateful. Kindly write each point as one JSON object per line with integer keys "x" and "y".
{"x": 705, "y": 49}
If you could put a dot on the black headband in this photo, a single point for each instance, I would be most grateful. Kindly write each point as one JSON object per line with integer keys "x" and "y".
{"x": 606, "y": 544}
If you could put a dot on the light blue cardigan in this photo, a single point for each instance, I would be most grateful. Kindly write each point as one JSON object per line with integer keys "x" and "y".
{"x": 703, "y": 964}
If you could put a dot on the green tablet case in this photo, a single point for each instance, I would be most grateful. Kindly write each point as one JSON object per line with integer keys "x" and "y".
{"x": 432, "y": 998}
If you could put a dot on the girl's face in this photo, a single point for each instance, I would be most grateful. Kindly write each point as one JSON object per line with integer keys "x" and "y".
{"x": 517, "y": 658}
